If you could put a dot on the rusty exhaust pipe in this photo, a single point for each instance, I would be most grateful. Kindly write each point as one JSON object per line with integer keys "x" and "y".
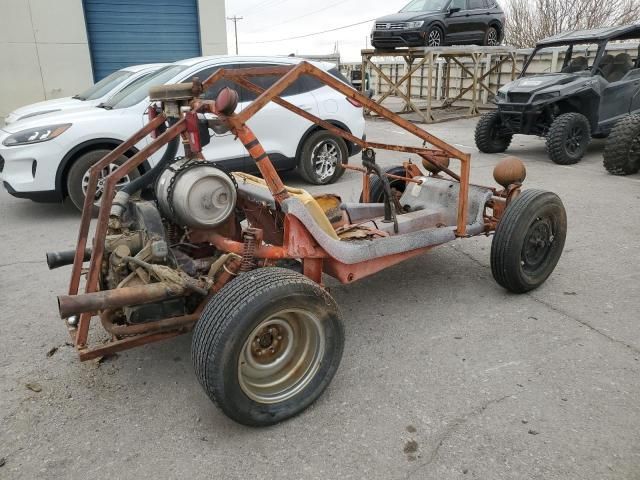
{"x": 70, "y": 305}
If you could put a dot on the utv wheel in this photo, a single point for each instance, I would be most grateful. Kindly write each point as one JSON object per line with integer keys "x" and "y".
{"x": 267, "y": 345}
{"x": 376, "y": 189}
{"x": 321, "y": 158}
{"x": 528, "y": 241}
{"x": 568, "y": 138}
{"x": 78, "y": 177}
{"x": 492, "y": 37}
{"x": 435, "y": 37}
{"x": 622, "y": 149}
{"x": 488, "y": 137}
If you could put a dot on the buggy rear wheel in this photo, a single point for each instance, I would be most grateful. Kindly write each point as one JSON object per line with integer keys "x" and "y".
{"x": 376, "y": 187}
{"x": 528, "y": 241}
{"x": 267, "y": 345}
{"x": 622, "y": 149}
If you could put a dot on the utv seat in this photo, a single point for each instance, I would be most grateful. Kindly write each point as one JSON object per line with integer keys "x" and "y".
{"x": 606, "y": 66}
{"x": 577, "y": 64}
{"x": 622, "y": 64}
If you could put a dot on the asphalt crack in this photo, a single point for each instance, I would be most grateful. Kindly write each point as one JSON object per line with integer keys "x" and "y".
{"x": 560, "y": 311}
{"x": 451, "y": 429}
{"x": 22, "y": 262}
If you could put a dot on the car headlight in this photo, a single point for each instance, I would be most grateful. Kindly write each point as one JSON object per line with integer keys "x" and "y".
{"x": 546, "y": 96}
{"x": 412, "y": 25}
{"x": 35, "y": 135}
{"x": 502, "y": 95}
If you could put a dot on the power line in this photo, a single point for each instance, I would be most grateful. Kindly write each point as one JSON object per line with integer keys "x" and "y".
{"x": 263, "y": 3}
{"x": 313, "y": 34}
{"x": 301, "y": 16}
{"x": 235, "y": 19}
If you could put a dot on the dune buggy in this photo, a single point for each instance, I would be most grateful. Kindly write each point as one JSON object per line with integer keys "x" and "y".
{"x": 240, "y": 259}
{"x": 587, "y": 93}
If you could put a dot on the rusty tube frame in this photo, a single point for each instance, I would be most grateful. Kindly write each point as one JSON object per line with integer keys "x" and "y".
{"x": 237, "y": 123}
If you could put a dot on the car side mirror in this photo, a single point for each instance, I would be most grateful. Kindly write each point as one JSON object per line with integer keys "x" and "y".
{"x": 453, "y": 10}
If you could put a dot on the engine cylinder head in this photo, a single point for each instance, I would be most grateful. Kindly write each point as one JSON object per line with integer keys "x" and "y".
{"x": 509, "y": 171}
{"x": 196, "y": 196}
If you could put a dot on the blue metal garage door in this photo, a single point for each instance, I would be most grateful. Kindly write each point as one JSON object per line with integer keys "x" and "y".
{"x": 131, "y": 32}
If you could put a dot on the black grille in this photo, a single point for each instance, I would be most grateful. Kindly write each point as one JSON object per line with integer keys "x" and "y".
{"x": 517, "y": 97}
{"x": 1, "y": 164}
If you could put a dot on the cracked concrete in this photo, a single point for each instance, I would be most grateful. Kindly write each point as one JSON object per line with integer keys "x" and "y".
{"x": 437, "y": 357}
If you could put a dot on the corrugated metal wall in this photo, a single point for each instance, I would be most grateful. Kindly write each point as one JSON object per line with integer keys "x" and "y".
{"x": 131, "y": 32}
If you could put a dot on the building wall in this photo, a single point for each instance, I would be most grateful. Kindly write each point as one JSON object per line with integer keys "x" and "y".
{"x": 213, "y": 27}
{"x": 44, "y": 51}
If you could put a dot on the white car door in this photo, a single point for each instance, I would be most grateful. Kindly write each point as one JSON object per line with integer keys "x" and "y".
{"x": 278, "y": 129}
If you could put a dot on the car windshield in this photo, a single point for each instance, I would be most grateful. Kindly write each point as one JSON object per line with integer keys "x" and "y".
{"x": 424, "y": 6}
{"x": 139, "y": 90}
{"x": 104, "y": 86}
{"x": 551, "y": 60}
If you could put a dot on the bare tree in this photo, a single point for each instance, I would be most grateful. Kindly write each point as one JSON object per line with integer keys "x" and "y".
{"x": 531, "y": 20}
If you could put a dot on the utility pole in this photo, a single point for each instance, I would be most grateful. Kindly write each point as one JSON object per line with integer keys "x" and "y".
{"x": 235, "y": 19}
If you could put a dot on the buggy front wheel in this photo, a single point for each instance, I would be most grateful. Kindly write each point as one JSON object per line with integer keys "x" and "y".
{"x": 528, "y": 241}
{"x": 267, "y": 345}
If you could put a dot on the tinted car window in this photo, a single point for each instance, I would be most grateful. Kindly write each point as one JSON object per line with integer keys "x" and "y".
{"x": 139, "y": 90}
{"x": 461, "y": 4}
{"x": 476, "y": 4}
{"x": 104, "y": 86}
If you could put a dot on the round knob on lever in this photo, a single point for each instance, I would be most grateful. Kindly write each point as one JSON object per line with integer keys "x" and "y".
{"x": 227, "y": 101}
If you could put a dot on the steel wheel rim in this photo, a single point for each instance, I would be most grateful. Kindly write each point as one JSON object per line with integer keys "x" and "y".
{"x": 102, "y": 177}
{"x": 573, "y": 142}
{"x": 538, "y": 244}
{"x": 434, "y": 39}
{"x": 325, "y": 157}
{"x": 493, "y": 37}
{"x": 281, "y": 356}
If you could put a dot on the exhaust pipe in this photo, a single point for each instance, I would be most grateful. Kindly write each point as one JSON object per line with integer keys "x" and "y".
{"x": 62, "y": 259}
{"x": 69, "y": 305}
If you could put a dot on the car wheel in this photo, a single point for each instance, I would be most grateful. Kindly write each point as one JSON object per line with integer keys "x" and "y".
{"x": 321, "y": 158}
{"x": 435, "y": 37}
{"x": 568, "y": 138}
{"x": 622, "y": 149}
{"x": 528, "y": 241}
{"x": 488, "y": 137}
{"x": 492, "y": 37}
{"x": 78, "y": 177}
{"x": 267, "y": 345}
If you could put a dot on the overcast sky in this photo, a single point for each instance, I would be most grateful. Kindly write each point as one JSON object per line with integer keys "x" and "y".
{"x": 270, "y": 20}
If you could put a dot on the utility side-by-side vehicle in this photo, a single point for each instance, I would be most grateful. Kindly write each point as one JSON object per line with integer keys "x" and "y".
{"x": 591, "y": 89}
{"x": 240, "y": 259}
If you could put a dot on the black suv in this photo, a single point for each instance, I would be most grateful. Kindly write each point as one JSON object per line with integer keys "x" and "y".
{"x": 434, "y": 23}
{"x": 589, "y": 87}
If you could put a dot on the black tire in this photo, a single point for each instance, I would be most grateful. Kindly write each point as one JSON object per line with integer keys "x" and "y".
{"x": 230, "y": 320}
{"x": 487, "y": 136}
{"x": 434, "y": 37}
{"x": 622, "y": 149}
{"x": 491, "y": 37}
{"x": 81, "y": 167}
{"x": 519, "y": 262}
{"x": 568, "y": 138}
{"x": 316, "y": 170}
{"x": 376, "y": 189}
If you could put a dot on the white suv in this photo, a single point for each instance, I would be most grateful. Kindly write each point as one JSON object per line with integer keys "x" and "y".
{"x": 46, "y": 158}
{"x": 92, "y": 96}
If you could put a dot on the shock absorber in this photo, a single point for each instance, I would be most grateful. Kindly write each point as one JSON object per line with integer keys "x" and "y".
{"x": 252, "y": 237}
